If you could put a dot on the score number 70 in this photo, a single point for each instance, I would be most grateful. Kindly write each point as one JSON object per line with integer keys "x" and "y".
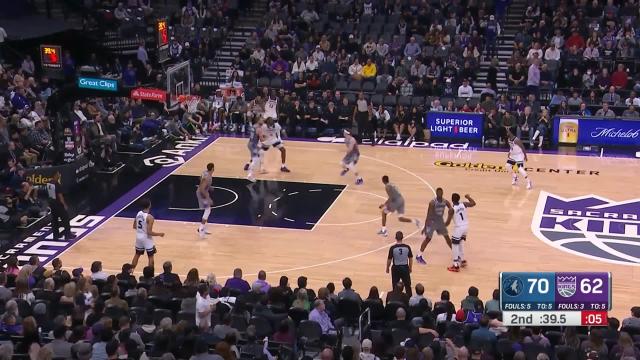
{"x": 587, "y": 286}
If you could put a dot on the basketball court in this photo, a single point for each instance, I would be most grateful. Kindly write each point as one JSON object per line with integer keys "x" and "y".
{"x": 314, "y": 222}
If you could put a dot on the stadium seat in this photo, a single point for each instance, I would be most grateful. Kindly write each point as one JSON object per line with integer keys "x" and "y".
{"x": 309, "y": 335}
{"x": 368, "y": 86}
{"x": 349, "y": 311}
{"x": 389, "y": 100}
{"x": 159, "y": 314}
{"x": 398, "y": 335}
{"x": 355, "y": 85}
{"x": 565, "y": 352}
{"x": 376, "y": 99}
{"x": 381, "y": 87}
{"x": 341, "y": 85}
{"x": 276, "y": 82}
{"x": 263, "y": 82}
{"x": 404, "y": 100}
{"x": 238, "y": 322}
{"x": 263, "y": 326}
{"x": 297, "y": 315}
{"x": 375, "y": 307}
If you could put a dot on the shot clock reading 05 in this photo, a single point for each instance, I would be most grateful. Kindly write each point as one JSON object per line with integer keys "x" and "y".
{"x": 552, "y": 299}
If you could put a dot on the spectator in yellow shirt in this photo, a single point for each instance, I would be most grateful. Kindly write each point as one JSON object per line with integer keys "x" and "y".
{"x": 369, "y": 70}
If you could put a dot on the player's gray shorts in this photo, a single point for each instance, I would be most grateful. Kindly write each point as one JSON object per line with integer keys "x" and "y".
{"x": 202, "y": 201}
{"x": 438, "y": 227}
{"x": 254, "y": 149}
{"x": 350, "y": 159}
{"x": 395, "y": 206}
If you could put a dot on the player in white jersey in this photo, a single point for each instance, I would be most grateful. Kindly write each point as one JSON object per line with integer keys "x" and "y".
{"x": 203, "y": 193}
{"x": 394, "y": 203}
{"x": 350, "y": 159}
{"x": 271, "y": 108}
{"x": 460, "y": 228}
{"x": 270, "y": 137}
{"x": 143, "y": 225}
{"x": 517, "y": 157}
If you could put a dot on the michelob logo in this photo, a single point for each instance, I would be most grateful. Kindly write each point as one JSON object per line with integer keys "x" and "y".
{"x": 568, "y": 131}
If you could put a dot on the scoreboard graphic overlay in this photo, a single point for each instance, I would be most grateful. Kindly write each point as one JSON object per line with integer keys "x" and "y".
{"x": 555, "y": 298}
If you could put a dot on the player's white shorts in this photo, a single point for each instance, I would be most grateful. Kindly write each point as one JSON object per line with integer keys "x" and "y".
{"x": 276, "y": 143}
{"x": 145, "y": 243}
{"x": 436, "y": 226}
{"x": 395, "y": 206}
{"x": 459, "y": 234}
{"x": 518, "y": 163}
{"x": 203, "y": 202}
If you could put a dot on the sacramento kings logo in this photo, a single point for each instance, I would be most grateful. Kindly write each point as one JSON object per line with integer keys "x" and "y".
{"x": 566, "y": 286}
{"x": 590, "y": 226}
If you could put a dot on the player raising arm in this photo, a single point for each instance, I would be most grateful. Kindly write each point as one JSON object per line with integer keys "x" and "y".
{"x": 460, "y": 229}
{"x": 143, "y": 225}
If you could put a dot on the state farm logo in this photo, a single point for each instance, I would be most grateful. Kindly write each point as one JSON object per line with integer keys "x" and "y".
{"x": 148, "y": 94}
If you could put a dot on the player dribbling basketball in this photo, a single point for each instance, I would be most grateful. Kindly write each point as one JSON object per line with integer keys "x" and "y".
{"x": 351, "y": 158}
{"x": 460, "y": 229}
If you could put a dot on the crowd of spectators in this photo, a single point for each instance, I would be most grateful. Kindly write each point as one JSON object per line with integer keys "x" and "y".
{"x": 426, "y": 55}
{"x": 50, "y": 313}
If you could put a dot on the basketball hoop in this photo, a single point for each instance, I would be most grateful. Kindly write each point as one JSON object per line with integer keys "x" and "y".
{"x": 191, "y": 101}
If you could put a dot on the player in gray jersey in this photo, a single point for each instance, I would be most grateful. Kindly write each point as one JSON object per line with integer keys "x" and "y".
{"x": 255, "y": 150}
{"x": 394, "y": 203}
{"x": 435, "y": 222}
{"x": 350, "y": 159}
{"x": 203, "y": 193}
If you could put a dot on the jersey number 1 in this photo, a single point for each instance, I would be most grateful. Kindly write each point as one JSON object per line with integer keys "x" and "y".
{"x": 461, "y": 216}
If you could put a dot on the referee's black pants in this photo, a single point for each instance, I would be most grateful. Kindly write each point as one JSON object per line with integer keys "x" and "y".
{"x": 401, "y": 272}
{"x": 59, "y": 217}
{"x": 364, "y": 125}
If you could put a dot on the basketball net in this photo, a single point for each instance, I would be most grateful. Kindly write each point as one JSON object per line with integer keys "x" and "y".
{"x": 191, "y": 101}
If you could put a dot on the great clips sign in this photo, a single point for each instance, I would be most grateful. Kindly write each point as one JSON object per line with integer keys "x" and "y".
{"x": 98, "y": 84}
{"x": 149, "y": 94}
{"x": 455, "y": 125}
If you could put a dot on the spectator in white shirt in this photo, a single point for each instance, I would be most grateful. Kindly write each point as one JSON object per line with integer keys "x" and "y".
{"x": 309, "y": 16}
{"x": 28, "y": 66}
{"x": 205, "y": 305}
{"x": 120, "y": 12}
{"x": 318, "y": 54}
{"x": 311, "y": 64}
{"x": 418, "y": 296}
{"x": 382, "y": 48}
{"x": 535, "y": 50}
{"x": 259, "y": 55}
{"x": 632, "y": 99}
{"x": 298, "y": 69}
{"x": 355, "y": 70}
{"x": 465, "y": 90}
{"x": 552, "y": 53}
{"x": 96, "y": 271}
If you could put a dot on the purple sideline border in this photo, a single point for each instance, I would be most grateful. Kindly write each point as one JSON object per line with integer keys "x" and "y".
{"x": 614, "y": 153}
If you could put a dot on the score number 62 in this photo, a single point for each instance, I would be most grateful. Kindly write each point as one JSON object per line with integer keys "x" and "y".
{"x": 587, "y": 286}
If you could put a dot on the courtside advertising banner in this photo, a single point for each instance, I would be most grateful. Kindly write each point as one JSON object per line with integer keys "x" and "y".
{"x": 455, "y": 125}
{"x": 596, "y": 131}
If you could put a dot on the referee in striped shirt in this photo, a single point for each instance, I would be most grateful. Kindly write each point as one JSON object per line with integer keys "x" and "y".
{"x": 400, "y": 260}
